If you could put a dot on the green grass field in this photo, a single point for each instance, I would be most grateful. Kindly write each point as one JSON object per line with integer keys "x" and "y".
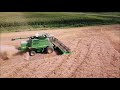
{"x": 18, "y": 21}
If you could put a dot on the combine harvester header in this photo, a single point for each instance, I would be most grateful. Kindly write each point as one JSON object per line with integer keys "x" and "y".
{"x": 64, "y": 49}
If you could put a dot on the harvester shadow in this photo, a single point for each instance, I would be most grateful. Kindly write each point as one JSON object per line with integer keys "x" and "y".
{"x": 57, "y": 52}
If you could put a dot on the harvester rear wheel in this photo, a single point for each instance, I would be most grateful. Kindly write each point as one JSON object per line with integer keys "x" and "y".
{"x": 49, "y": 50}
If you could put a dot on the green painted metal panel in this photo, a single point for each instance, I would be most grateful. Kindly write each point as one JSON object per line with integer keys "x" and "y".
{"x": 36, "y": 43}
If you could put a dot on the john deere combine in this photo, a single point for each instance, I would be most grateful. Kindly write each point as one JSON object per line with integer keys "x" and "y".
{"x": 42, "y": 43}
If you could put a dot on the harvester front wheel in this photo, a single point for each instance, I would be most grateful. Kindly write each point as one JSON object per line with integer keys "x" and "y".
{"x": 49, "y": 50}
{"x": 32, "y": 53}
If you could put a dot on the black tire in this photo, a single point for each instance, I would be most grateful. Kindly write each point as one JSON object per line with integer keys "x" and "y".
{"x": 32, "y": 52}
{"x": 49, "y": 50}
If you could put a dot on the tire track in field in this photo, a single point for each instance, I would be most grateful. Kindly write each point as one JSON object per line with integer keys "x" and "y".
{"x": 67, "y": 67}
{"x": 89, "y": 51}
{"x": 85, "y": 59}
{"x": 95, "y": 66}
{"x": 66, "y": 57}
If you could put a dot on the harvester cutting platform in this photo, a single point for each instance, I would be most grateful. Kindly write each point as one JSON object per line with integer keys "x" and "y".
{"x": 42, "y": 43}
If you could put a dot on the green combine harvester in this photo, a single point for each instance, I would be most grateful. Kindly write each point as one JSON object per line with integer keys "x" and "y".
{"x": 41, "y": 43}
